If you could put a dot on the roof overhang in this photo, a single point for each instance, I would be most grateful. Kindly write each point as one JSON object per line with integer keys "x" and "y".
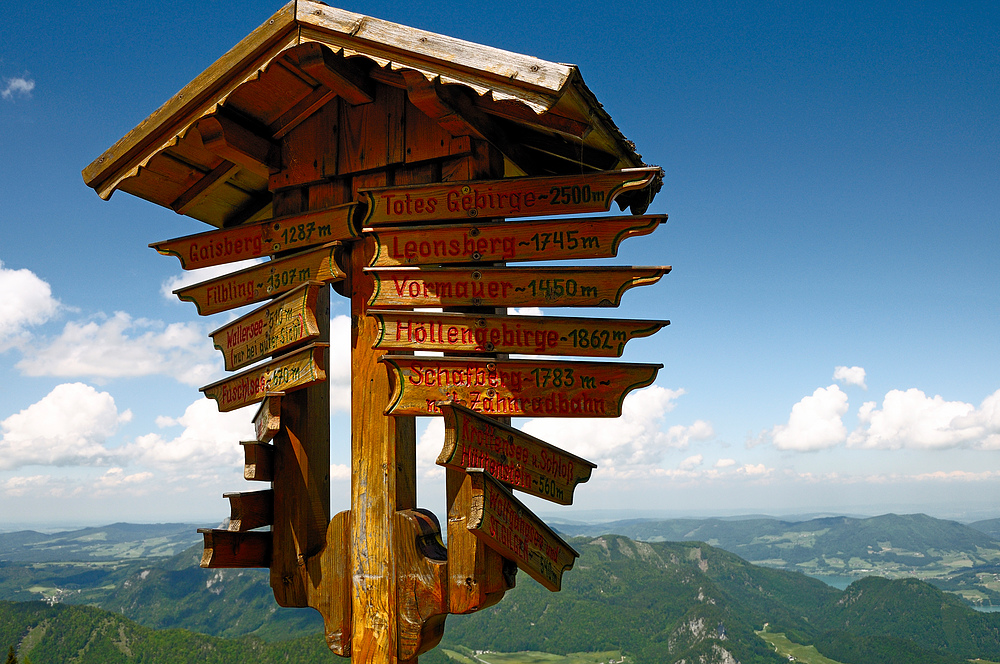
{"x": 209, "y": 150}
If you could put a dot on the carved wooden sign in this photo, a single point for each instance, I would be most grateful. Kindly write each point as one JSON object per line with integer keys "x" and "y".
{"x": 285, "y": 322}
{"x": 263, "y": 281}
{"x": 513, "y": 457}
{"x": 527, "y": 335}
{"x": 511, "y": 197}
{"x": 551, "y": 239}
{"x": 507, "y": 526}
{"x": 289, "y": 372}
{"x": 507, "y": 286}
{"x": 256, "y": 240}
{"x": 513, "y": 388}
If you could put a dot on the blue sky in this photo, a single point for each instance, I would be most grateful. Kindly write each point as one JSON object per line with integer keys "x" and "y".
{"x": 833, "y": 186}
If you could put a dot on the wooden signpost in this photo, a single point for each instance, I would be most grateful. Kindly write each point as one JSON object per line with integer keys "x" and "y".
{"x": 487, "y": 242}
{"x": 339, "y": 149}
{"x": 263, "y": 281}
{"x": 513, "y": 388}
{"x": 285, "y": 322}
{"x": 506, "y": 525}
{"x": 507, "y": 286}
{"x": 289, "y": 372}
{"x": 229, "y": 245}
{"x": 520, "y": 461}
{"x": 527, "y": 335}
{"x": 513, "y": 197}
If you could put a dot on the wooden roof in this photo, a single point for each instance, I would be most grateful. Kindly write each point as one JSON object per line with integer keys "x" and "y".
{"x": 209, "y": 151}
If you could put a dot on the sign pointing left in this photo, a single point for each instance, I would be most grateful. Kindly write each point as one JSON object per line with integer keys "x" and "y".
{"x": 263, "y": 281}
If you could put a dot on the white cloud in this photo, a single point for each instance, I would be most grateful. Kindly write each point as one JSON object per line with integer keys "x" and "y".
{"x": 20, "y": 86}
{"x": 69, "y": 426}
{"x": 634, "y": 439}
{"x": 428, "y": 448}
{"x": 725, "y": 463}
{"x": 912, "y": 420}
{"x": 339, "y": 376}
{"x": 25, "y": 300}
{"x": 209, "y": 443}
{"x": 691, "y": 462}
{"x": 850, "y": 376}
{"x": 340, "y": 472}
{"x": 22, "y": 485}
{"x": 815, "y": 422}
{"x": 191, "y": 277}
{"x": 115, "y": 480}
{"x": 121, "y": 346}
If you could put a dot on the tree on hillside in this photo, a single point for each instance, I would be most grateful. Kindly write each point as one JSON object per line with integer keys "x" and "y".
{"x": 11, "y": 656}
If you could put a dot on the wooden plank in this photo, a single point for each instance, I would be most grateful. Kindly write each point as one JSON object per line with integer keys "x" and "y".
{"x": 238, "y": 144}
{"x": 513, "y": 388}
{"x": 227, "y": 549}
{"x": 287, "y": 373}
{"x": 285, "y": 322}
{"x": 204, "y": 187}
{"x": 273, "y": 236}
{"x": 264, "y": 281}
{"x": 336, "y": 72}
{"x": 507, "y": 526}
{"x": 421, "y": 591}
{"x": 250, "y": 509}
{"x": 527, "y": 335}
{"x": 329, "y": 589}
{"x": 513, "y": 457}
{"x": 258, "y": 461}
{"x": 508, "y": 286}
{"x": 513, "y": 197}
{"x": 550, "y": 239}
{"x": 267, "y": 421}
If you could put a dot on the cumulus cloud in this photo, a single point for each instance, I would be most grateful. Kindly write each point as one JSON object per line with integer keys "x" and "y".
{"x": 636, "y": 440}
{"x": 121, "y": 346}
{"x": 116, "y": 480}
{"x": 20, "y": 86}
{"x": 725, "y": 463}
{"x": 209, "y": 441}
{"x": 815, "y": 422}
{"x": 25, "y": 300}
{"x": 339, "y": 376}
{"x": 68, "y": 426}
{"x": 850, "y": 376}
{"x": 910, "y": 419}
{"x": 691, "y": 462}
{"x": 428, "y": 449}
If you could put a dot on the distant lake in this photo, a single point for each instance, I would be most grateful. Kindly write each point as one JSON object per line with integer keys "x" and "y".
{"x": 987, "y": 609}
{"x": 838, "y": 582}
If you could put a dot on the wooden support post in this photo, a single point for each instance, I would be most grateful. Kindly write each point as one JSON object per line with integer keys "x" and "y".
{"x": 301, "y": 468}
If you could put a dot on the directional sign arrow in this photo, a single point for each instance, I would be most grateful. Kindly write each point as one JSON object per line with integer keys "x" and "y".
{"x": 507, "y": 526}
{"x": 263, "y": 281}
{"x": 528, "y": 335}
{"x": 549, "y": 239}
{"x": 255, "y": 240}
{"x": 514, "y": 388}
{"x": 522, "y": 462}
{"x": 288, "y": 372}
{"x": 507, "y": 286}
{"x": 510, "y": 197}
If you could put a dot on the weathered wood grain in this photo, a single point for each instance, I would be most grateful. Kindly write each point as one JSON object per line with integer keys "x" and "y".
{"x": 227, "y": 549}
{"x": 293, "y": 371}
{"x": 528, "y": 335}
{"x": 273, "y": 236}
{"x": 520, "y": 461}
{"x": 551, "y": 239}
{"x": 250, "y": 509}
{"x": 267, "y": 420}
{"x": 512, "y": 197}
{"x": 264, "y": 281}
{"x": 285, "y": 322}
{"x": 258, "y": 461}
{"x": 508, "y": 286}
{"x": 506, "y": 525}
{"x": 513, "y": 388}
